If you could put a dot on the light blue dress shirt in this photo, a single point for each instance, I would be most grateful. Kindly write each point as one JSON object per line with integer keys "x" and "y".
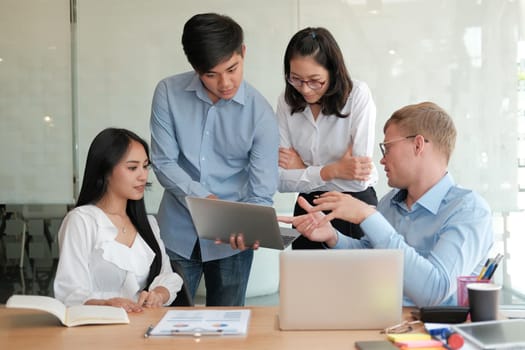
{"x": 229, "y": 149}
{"x": 447, "y": 233}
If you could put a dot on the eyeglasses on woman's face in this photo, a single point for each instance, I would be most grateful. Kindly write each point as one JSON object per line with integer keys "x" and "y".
{"x": 312, "y": 84}
{"x": 384, "y": 149}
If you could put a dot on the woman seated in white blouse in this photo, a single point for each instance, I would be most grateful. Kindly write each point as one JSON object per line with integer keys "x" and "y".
{"x": 110, "y": 249}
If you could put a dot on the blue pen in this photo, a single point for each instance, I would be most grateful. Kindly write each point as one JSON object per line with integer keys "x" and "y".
{"x": 490, "y": 270}
{"x": 484, "y": 268}
{"x": 487, "y": 268}
{"x": 495, "y": 265}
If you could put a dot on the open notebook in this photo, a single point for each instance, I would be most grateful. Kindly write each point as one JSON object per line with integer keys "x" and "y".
{"x": 214, "y": 218}
{"x": 340, "y": 289}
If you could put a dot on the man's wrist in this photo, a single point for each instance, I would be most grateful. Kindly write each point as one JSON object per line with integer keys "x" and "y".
{"x": 367, "y": 211}
{"x": 332, "y": 242}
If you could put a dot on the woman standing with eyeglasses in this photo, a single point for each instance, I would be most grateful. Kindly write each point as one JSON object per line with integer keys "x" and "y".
{"x": 327, "y": 126}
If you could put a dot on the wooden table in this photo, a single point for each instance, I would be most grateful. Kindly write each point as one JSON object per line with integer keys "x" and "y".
{"x": 32, "y": 329}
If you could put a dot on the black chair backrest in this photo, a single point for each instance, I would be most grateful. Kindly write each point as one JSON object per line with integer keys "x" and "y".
{"x": 184, "y": 297}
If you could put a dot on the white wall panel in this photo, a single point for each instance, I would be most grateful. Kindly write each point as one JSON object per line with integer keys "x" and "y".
{"x": 36, "y": 154}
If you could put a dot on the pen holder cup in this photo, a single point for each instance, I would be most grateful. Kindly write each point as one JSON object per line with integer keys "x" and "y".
{"x": 462, "y": 288}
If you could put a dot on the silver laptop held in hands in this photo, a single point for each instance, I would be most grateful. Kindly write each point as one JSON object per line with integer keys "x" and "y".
{"x": 214, "y": 218}
{"x": 340, "y": 289}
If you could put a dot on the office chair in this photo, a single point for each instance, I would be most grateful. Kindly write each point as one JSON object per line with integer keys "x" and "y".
{"x": 184, "y": 297}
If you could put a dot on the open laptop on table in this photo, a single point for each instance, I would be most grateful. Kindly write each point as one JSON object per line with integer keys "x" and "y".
{"x": 214, "y": 218}
{"x": 340, "y": 289}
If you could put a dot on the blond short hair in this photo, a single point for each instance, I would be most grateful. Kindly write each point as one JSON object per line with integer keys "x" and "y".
{"x": 428, "y": 120}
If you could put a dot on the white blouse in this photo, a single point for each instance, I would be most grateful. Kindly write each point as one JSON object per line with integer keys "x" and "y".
{"x": 325, "y": 140}
{"x": 93, "y": 265}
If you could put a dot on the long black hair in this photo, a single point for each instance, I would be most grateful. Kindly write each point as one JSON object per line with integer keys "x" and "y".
{"x": 319, "y": 44}
{"x": 106, "y": 151}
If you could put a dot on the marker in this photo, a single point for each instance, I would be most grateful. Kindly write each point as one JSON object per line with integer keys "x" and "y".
{"x": 455, "y": 341}
{"x": 451, "y": 340}
{"x": 148, "y": 331}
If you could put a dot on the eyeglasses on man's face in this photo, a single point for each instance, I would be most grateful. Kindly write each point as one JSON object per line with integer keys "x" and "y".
{"x": 384, "y": 149}
{"x": 312, "y": 84}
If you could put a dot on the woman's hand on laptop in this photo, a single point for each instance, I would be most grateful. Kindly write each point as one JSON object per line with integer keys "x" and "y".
{"x": 312, "y": 225}
{"x": 237, "y": 242}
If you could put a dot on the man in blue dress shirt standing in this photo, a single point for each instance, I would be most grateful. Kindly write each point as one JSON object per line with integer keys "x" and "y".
{"x": 212, "y": 135}
{"x": 444, "y": 230}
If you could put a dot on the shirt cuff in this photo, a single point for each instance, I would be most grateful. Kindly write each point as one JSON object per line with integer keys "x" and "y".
{"x": 313, "y": 176}
{"x": 197, "y": 190}
{"x": 171, "y": 281}
{"x": 377, "y": 229}
{"x": 341, "y": 241}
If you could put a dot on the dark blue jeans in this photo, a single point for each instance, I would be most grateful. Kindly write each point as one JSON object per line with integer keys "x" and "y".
{"x": 225, "y": 279}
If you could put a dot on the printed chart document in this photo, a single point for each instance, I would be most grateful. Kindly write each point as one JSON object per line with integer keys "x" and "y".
{"x": 203, "y": 322}
{"x": 70, "y": 316}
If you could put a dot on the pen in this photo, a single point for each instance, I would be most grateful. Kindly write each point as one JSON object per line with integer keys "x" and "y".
{"x": 148, "y": 331}
{"x": 490, "y": 268}
{"x": 494, "y": 266}
{"x": 488, "y": 272}
{"x": 484, "y": 268}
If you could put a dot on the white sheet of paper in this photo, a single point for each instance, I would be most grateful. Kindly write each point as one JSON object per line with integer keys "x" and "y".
{"x": 203, "y": 322}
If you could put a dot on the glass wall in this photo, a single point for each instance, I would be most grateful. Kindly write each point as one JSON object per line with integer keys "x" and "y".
{"x": 36, "y": 153}
{"x": 468, "y": 56}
